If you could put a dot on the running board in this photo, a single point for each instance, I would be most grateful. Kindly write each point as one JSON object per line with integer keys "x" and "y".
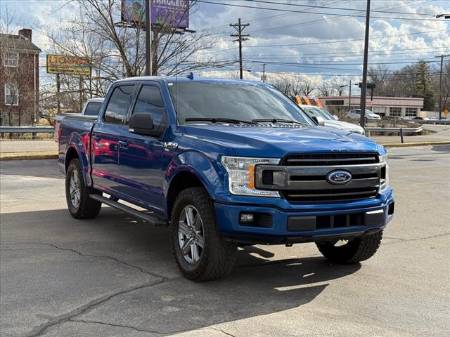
{"x": 138, "y": 214}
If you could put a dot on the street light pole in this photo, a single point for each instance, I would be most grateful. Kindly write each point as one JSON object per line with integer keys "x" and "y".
{"x": 148, "y": 38}
{"x": 364, "y": 79}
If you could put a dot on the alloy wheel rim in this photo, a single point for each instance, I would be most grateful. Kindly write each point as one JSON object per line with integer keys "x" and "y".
{"x": 74, "y": 189}
{"x": 190, "y": 234}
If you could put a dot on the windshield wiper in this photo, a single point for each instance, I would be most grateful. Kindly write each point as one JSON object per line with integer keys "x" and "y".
{"x": 218, "y": 120}
{"x": 275, "y": 120}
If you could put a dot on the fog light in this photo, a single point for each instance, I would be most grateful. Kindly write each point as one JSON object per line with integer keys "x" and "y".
{"x": 246, "y": 218}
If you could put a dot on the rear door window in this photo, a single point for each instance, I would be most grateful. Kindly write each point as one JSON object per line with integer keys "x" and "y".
{"x": 119, "y": 103}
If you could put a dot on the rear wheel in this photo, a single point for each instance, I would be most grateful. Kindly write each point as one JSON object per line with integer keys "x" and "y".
{"x": 199, "y": 250}
{"x": 351, "y": 251}
{"x": 77, "y": 194}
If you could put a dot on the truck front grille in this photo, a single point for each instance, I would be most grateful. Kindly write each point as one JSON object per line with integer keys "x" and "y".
{"x": 331, "y": 159}
{"x": 305, "y": 178}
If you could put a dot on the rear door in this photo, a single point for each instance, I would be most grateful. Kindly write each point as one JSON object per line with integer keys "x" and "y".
{"x": 106, "y": 137}
{"x": 143, "y": 160}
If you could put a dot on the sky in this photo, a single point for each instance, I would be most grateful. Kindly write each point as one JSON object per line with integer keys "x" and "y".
{"x": 316, "y": 38}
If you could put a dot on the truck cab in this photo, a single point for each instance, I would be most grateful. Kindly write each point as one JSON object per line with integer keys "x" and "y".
{"x": 226, "y": 163}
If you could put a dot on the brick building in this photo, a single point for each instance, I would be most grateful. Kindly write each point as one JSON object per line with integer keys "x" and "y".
{"x": 19, "y": 79}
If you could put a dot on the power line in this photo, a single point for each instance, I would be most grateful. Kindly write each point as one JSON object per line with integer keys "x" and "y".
{"x": 331, "y": 41}
{"x": 322, "y": 13}
{"x": 330, "y": 7}
{"x": 337, "y": 63}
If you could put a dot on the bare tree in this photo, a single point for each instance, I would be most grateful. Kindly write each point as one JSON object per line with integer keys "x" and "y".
{"x": 307, "y": 88}
{"x": 284, "y": 84}
{"x": 325, "y": 89}
{"x": 293, "y": 85}
{"x": 117, "y": 49}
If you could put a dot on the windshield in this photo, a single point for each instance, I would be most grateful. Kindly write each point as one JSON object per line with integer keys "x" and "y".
{"x": 200, "y": 101}
{"x": 313, "y": 111}
{"x": 326, "y": 114}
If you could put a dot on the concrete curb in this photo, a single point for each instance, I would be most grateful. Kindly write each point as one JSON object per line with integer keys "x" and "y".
{"x": 53, "y": 155}
{"x": 416, "y": 144}
{"x": 27, "y": 155}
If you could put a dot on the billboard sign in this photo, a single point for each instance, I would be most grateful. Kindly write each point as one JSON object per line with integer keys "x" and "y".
{"x": 70, "y": 65}
{"x": 174, "y": 13}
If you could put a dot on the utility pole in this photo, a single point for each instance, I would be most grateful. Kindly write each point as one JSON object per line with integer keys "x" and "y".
{"x": 440, "y": 84}
{"x": 350, "y": 95}
{"x": 240, "y": 37}
{"x": 264, "y": 73}
{"x": 58, "y": 94}
{"x": 148, "y": 38}
{"x": 364, "y": 79}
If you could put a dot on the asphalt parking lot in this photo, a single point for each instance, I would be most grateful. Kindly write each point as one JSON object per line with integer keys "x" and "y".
{"x": 115, "y": 276}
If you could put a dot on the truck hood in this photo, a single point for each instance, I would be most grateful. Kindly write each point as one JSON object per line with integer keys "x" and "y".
{"x": 276, "y": 142}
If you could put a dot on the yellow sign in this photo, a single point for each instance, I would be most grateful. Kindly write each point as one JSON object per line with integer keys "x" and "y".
{"x": 70, "y": 65}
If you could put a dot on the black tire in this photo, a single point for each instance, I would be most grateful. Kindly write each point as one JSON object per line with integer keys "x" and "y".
{"x": 86, "y": 208}
{"x": 356, "y": 250}
{"x": 217, "y": 256}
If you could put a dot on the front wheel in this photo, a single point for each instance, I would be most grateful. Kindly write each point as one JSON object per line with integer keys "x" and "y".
{"x": 351, "y": 251}
{"x": 199, "y": 250}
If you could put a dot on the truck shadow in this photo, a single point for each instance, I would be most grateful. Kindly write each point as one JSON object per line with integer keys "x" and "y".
{"x": 259, "y": 284}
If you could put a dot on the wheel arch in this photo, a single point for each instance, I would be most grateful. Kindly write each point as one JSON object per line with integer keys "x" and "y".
{"x": 180, "y": 181}
{"x": 74, "y": 153}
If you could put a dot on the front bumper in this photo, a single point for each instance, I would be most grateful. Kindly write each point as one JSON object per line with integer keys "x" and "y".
{"x": 321, "y": 221}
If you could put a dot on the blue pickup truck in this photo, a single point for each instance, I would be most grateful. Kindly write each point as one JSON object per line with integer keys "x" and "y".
{"x": 224, "y": 164}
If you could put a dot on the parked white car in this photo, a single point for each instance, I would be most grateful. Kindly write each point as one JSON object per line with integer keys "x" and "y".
{"x": 92, "y": 107}
{"x": 355, "y": 114}
{"x": 330, "y": 120}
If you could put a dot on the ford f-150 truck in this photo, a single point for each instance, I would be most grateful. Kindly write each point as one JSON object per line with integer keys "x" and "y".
{"x": 225, "y": 164}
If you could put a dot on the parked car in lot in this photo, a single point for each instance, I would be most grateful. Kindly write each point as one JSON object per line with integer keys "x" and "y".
{"x": 92, "y": 106}
{"x": 355, "y": 115}
{"x": 226, "y": 163}
{"x": 331, "y": 120}
{"x": 90, "y": 111}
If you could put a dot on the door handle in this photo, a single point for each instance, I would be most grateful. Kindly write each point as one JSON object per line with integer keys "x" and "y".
{"x": 123, "y": 144}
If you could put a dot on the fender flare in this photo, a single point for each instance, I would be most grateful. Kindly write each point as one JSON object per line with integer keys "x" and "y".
{"x": 76, "y": 145}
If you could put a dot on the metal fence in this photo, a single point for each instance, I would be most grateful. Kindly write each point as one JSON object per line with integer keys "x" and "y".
{"x": 26, "y": 129}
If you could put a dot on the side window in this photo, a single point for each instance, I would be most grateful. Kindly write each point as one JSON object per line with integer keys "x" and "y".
{"x": 150, "y": 101}
{"x": 117, "y": 108}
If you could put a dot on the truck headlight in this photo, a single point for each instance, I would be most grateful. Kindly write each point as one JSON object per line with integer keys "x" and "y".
{"x": 241, "y": 175}
{"x": 384, "y": 172}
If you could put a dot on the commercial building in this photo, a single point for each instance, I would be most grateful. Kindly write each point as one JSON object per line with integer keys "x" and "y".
{"x": 19, "y": 79}
{"x": 384, "y": 106}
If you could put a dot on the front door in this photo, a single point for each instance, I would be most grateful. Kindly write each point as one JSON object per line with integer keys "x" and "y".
{"x": 106, "y": 136}
{"x": 143, "y": 160}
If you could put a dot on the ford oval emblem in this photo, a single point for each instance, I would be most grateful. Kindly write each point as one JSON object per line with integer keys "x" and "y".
{"x": 339, "y": 177}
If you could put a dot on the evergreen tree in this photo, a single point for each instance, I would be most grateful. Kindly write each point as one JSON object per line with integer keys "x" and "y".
{"x": 424, "y": 87}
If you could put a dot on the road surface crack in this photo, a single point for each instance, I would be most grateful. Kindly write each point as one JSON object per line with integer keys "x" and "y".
{"x": 400, "y": 240}
{"x": 112, "y": 258}
{"x": 222, "y": 331}
{"x": 117, "y": 326}
{"x": 40, "y": 330}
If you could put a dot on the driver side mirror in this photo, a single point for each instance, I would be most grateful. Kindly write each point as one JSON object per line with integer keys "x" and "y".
{"x": 336, "y": 118}
{"x": 142, "y": 124}
{"x": 318, "y": 120}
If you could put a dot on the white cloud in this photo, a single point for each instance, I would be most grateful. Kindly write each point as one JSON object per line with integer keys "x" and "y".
{"x": 391, "y": 40}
